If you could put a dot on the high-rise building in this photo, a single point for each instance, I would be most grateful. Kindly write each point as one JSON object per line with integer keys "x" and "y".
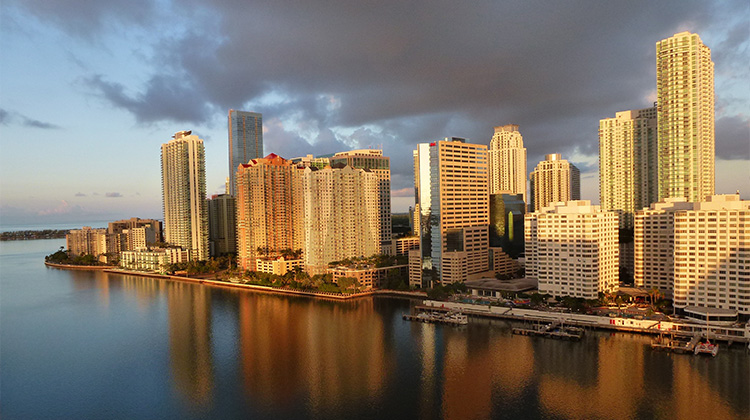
{"x": 554, "y": 180}
{"x": 452, "y": 196}
{"x": 507, "y": 160}
{"x": 341, "y": 216}
{"x": 373, "y": 160}
{"x": 571, "y": 248}
{"x": 120, "y": 226}
{"x": 222, "y": 225}
{"x": 628, "y": 162}
{"x": 506, "y": 223}
{"x": 269, "y": 209}
{"x": 685, "y": 103}
{"x": 696, "y": 253}
{"x": 183, "y": 175}
{"x": 245, "y": 141}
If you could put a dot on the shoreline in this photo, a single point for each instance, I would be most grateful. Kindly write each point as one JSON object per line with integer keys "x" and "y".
{"x": 253, "y": 287}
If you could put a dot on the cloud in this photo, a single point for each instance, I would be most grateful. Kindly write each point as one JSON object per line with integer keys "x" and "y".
{"x": 12, "y": 117}
{"x": 403, "y": 192}
{"x": 333, "y": 76}
{"x": 113, "y": 195}
{"x": 733, "y": 137}
{"x": 62, "y": 208}
{"x": 80, "y": 194}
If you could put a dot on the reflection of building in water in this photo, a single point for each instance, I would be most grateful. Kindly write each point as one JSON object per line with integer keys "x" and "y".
{"x": 189, "y": 341}
{"x": 473, "y": 366}
{"x": 332, "y": 352}
{"x": 611, "y": 388}
{"x": 694, "y": 397}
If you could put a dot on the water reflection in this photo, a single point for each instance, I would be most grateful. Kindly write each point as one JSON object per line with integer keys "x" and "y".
{"x": 299, "y": 357}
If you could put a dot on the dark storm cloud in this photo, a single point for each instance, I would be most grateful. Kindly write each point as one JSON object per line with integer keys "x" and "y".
{"x": 4, "y": 116}
{"x": 412, "y": 72}
{"x": 733, "y": 137}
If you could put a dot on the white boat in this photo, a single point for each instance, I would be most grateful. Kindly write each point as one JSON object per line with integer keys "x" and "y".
{"x": 707, "y": 348}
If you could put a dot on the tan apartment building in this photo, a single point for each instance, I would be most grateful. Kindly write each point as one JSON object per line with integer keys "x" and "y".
{"x": 553, "y": 180}
{"x": 685, "y": 106}
{"x": 183, "y": 167}
{"x": 628, "y": 163}
{"x": 507, "y": 161}
{"x": 373, "y": 160}
{"x": 341, "y": 215}
{"x": 572, "y": 249}
{"x": 269, "y": 206}
{"x": 278, "y": 266}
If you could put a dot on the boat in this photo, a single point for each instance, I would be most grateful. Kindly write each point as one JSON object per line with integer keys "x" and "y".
{"x": 707, "y": 348}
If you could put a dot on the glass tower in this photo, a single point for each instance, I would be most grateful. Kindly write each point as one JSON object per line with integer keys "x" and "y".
{"x": 245, "y": 141}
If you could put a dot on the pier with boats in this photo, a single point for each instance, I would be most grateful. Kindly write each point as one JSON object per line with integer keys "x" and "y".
{"x": 434, "y": 315}
{"x": 556, "y": 330}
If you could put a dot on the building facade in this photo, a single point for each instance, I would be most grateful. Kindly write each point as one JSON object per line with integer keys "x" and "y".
{"x": 183, "y": 166}
{"x": 245, "y": 141}
{"x": 222, "y": 225}
{"x": 452, "y": 193}
{"x": 572, "y": 249}
{"x": 507, "y": 162}
{"x": 685, "y": 98}
{"x": 506, "y": 223}
{"x": 152, "y": 260}
{"x": 703, "y": 256}
{"x": 554, "y": 180}
{"x": 341, "y": 215}
{"x": 373, "y": 160}
{"x": 628, "y": 163}
{"x": 269, "y": 206}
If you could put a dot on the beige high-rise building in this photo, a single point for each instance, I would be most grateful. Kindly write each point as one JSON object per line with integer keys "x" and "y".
{"x": 373, "y": 160}
{"x": 654, "y": 245}
{"x": 453, "y": 198}
{"x": 628, "y": 163}
{"x": 685, "y": 98}
{"x": 183, "y": 169}
{"x": 554, "y": 180}
{"x": 507, "y": 161}
{"x": 571, "y": 248}
{"x": 700, "y": 257}
{"x": 341, "y": 215}
{"x": 269, "y": 206}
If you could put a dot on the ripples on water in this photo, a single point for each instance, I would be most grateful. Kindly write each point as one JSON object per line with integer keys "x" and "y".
{"x": 79, "y": 344}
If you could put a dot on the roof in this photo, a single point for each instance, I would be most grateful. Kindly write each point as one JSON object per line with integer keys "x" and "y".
{"x": 515, "y": 285}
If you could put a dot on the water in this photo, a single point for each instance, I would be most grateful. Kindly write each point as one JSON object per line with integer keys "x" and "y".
{"x": 80, "y": 344}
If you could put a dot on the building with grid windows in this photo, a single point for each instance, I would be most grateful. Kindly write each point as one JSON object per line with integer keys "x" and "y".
{"x": 553, "y": 180}
{"x": 507, "y": 162}
{"x": 245, "y": 141}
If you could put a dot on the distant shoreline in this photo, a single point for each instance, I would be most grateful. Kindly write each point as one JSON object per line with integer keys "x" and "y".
{"x": 28, "y": 235}
{"x": 254, "y": 287}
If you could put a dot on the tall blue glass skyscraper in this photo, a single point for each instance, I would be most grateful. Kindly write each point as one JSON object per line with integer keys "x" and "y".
{"x": 245, "y": 141}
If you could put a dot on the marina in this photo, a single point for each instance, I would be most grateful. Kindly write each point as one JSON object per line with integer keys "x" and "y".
{"x": 555, "y": 330}
{"x": 437, "y": 316}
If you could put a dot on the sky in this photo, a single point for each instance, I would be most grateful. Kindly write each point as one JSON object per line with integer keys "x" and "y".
{"x": 90, "y": 89}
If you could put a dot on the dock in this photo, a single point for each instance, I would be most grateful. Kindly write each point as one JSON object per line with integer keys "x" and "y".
{"x": 552, "y": 330}
{"x": 437, "y": 316}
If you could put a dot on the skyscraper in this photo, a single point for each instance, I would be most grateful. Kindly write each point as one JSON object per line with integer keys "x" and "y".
{"x": 269, "y": 208}
{"x": 183, "y": 175}
{"x": 455, "y": 212}
{"x": 628, "y": 162}
{"x": 685, "y": 98}
{"x": 507, "y": 159}
{"x": 222, "y": 225}
{"x": 245, "y": 141}
{"x": 554, "y": 180}
{"x": 342, "y": 215}
{"x": 373, "y": 160}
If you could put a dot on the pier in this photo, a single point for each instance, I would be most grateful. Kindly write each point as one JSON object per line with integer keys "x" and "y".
{"x": 436, "y": 316}
{"x": 552, "y": 330}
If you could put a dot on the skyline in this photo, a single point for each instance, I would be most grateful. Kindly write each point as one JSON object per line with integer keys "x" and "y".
{"x": 123, "y": 82}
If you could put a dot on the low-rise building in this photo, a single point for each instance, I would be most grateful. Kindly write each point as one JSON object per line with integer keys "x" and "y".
{"x": 152, "y": 260}
{"x": 278, "y": 266}
{"x": 368, "y": 277}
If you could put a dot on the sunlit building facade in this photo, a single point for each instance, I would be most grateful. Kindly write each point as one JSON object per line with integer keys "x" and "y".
{"x": 452, "y": 193}
{"x": 341, "y": 215}
{"x": 373, "y": 160}
{"x": 554, "y": 180}
{"x": 183, "y": 166}
{"x": 628, "y": 163}
{"x": 507, "y": 162}
{"x": 685, "y": 98}
{"x": 572, "y": 249}
{"x": 269, "y": 209}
